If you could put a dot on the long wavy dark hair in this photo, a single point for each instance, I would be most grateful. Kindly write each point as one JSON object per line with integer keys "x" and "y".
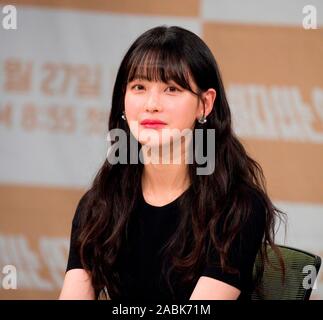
{"x": 162, "y": 54}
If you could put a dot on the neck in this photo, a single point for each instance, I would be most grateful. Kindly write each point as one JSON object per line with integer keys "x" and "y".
{"x": 165, "y": 178}
{"x": 160, "y": 178}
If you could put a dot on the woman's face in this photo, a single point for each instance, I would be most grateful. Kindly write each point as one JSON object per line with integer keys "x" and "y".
{"x": 176, "y": 107}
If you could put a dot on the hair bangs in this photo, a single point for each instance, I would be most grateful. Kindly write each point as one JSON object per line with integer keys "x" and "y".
{"x": 159, "y": 65}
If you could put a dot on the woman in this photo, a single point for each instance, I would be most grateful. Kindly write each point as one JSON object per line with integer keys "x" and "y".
{"x": 150, "y": 230}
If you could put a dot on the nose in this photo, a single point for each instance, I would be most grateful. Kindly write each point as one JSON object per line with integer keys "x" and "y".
{"x": 152, "y": 101}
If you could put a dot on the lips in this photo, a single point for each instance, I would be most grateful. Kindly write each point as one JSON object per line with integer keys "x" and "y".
{"x": 152, "y": 122}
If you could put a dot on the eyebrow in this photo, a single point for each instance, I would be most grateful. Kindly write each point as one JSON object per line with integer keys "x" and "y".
{"x": 144, "y": 78}
{"x": 138, "y": 77}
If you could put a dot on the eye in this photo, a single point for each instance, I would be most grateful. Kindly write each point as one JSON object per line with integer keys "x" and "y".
{"x": 137, "y": 87}
{"x": 172, "y": 89}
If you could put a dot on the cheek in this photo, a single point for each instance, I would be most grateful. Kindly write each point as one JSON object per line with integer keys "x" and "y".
{"x": 184, "y": 113}
{"x": 132, "y": 106}
{"x": 132, "y": 110}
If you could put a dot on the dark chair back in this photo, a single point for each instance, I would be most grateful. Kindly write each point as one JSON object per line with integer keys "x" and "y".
{"x": 301, "y": 272}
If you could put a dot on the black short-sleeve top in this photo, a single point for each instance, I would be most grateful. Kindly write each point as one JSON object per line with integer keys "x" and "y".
{"x": 140, "y": 262}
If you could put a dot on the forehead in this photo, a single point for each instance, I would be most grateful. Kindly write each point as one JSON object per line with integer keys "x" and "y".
{"x": 153, "y": 75}
{"x": 160, "y": 67}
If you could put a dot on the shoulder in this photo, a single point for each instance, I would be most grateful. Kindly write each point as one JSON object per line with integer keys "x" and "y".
{"x": 80, "y": 212}
{"x": 258, "y": 208}
{"x": 255, "y": 220}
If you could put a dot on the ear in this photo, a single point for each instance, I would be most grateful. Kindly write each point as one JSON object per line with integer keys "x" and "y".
{"x": 208, "y": 98}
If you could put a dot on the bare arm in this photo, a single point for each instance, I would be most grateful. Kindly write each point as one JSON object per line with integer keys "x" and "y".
{"x": 77, "y": 286}
{"x": 212, "y": 289}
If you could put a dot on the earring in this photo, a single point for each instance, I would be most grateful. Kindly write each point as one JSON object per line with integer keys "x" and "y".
{"x": 123, "y": 116}
{"x": 202, "y": 119}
